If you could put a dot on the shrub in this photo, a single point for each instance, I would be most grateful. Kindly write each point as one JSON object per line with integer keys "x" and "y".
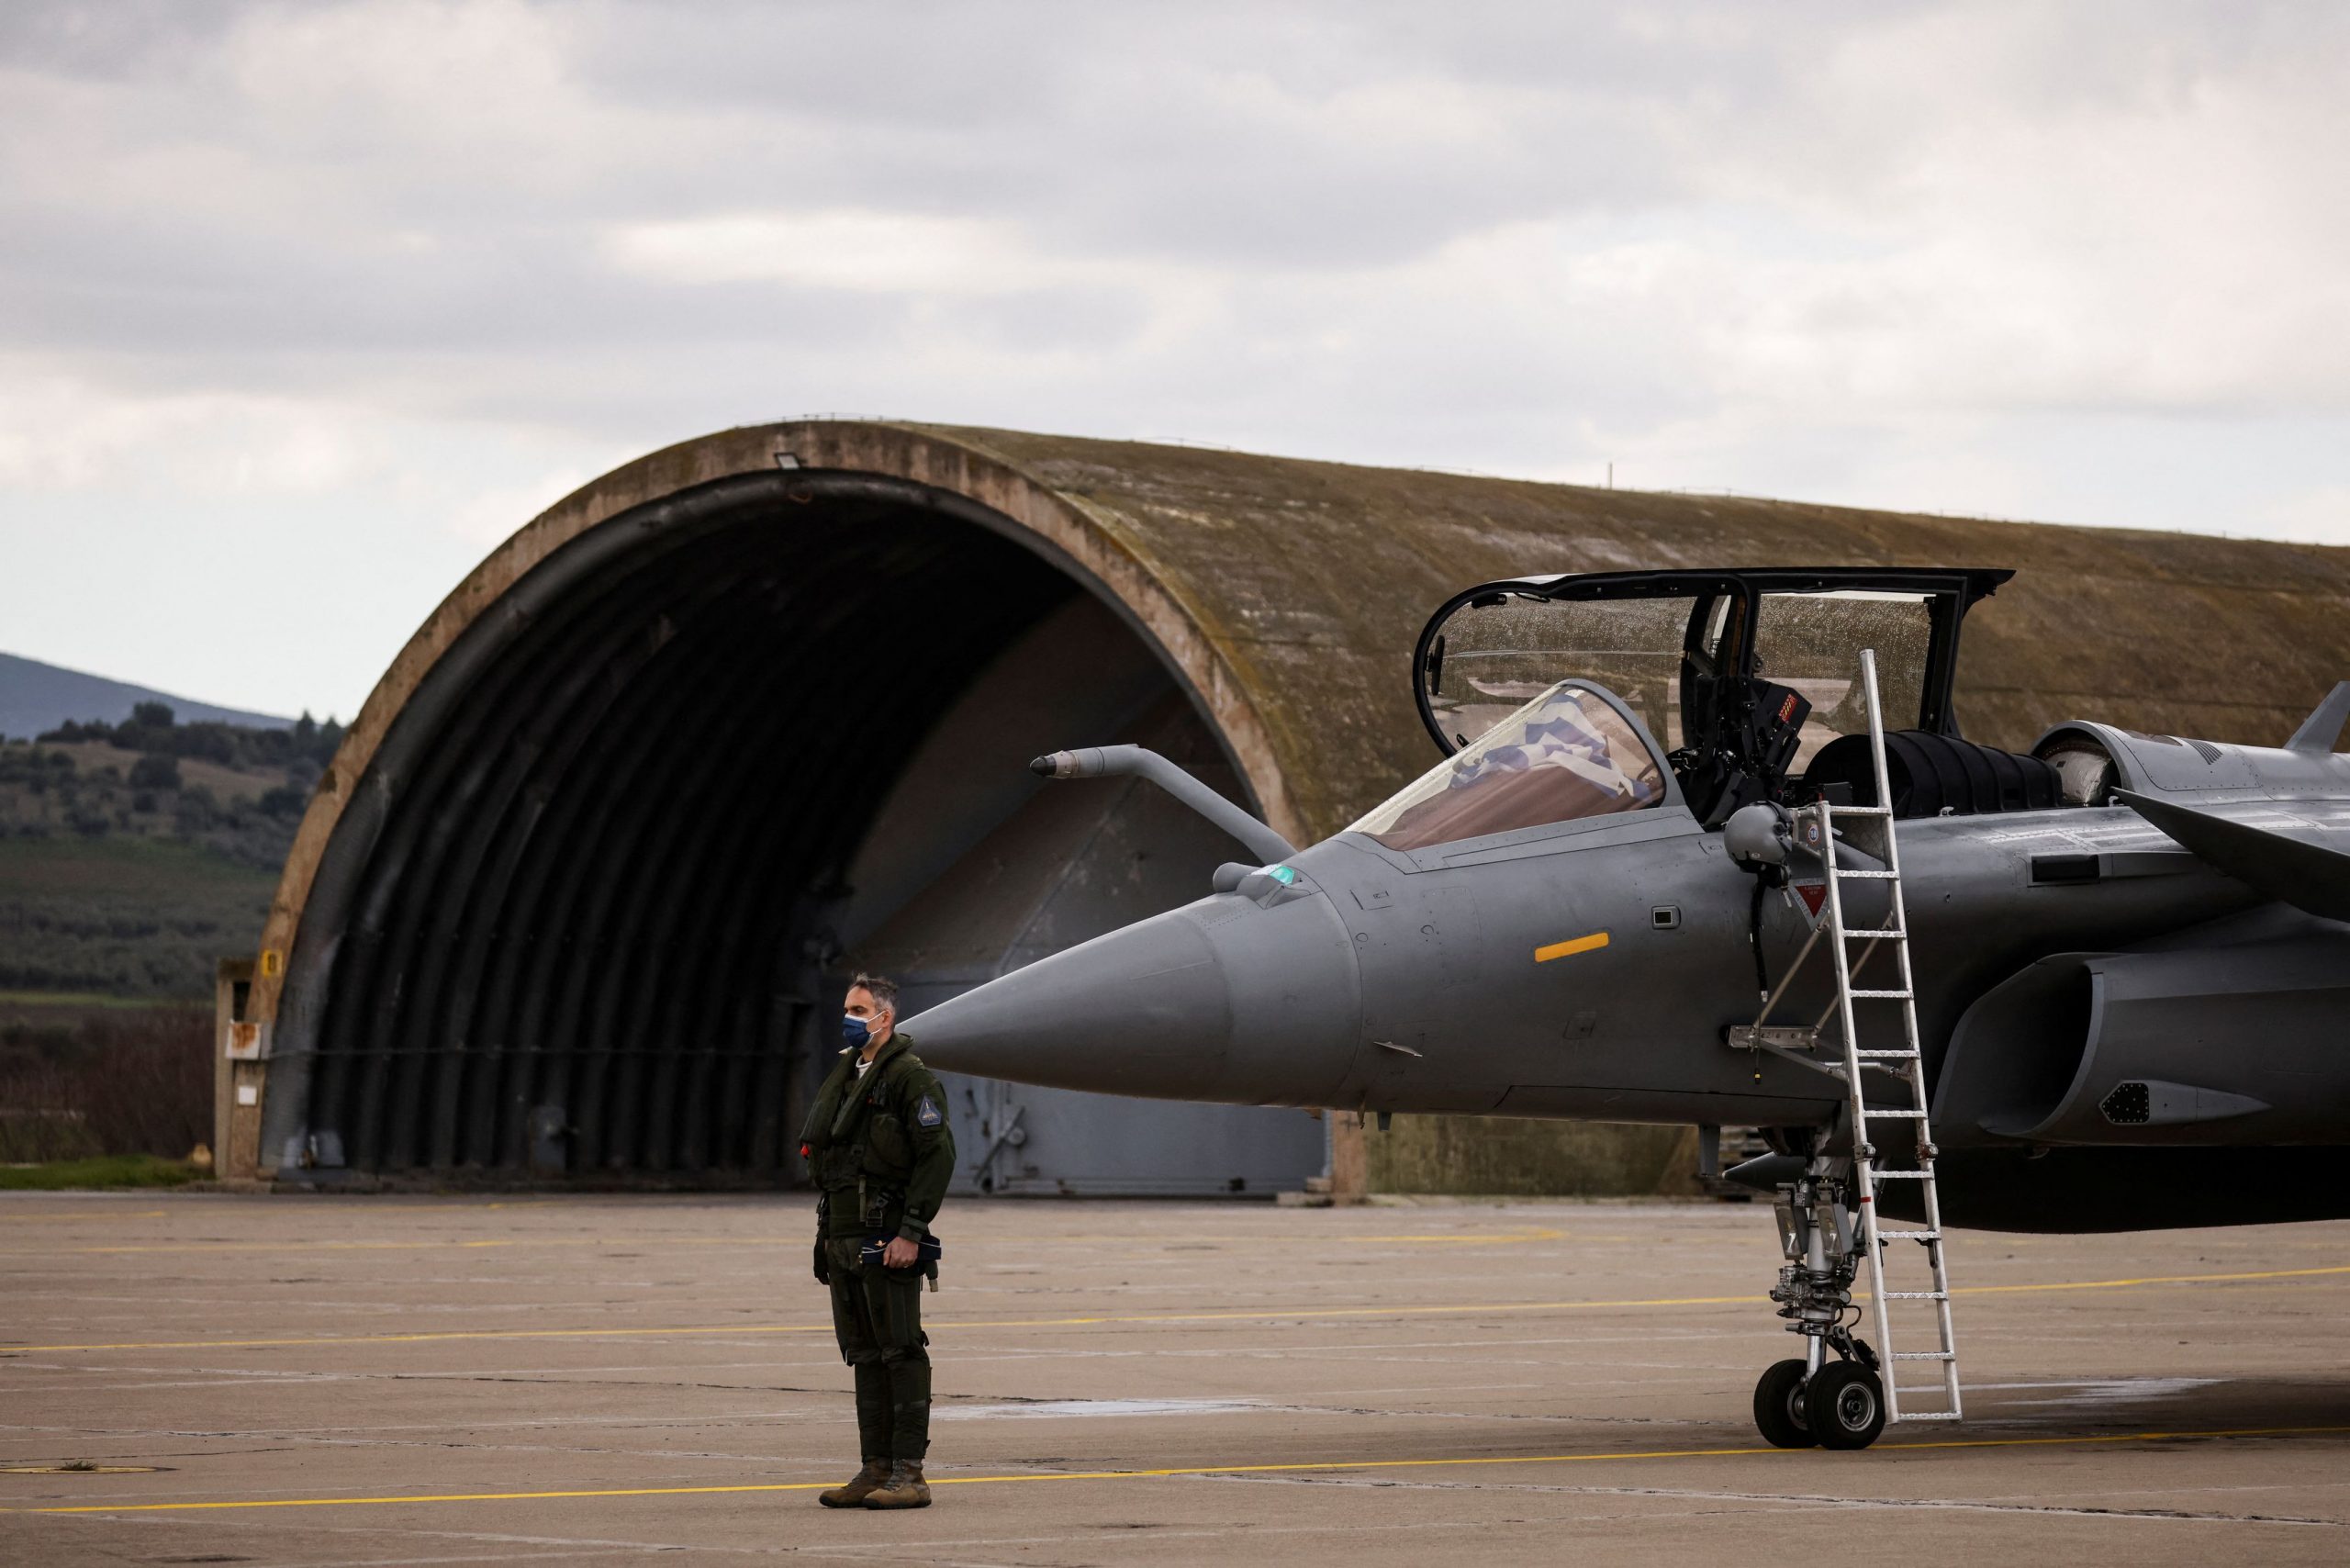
{"x": 211, "y": 742}
{"x": 147, "y": 1084}
{"x": 155, "y": 772}
{"x": 41, "y": 1114}
{"x": 196, "y": 810}
{"x": 285, "y": 802}
{"x": 119, "y": 1083}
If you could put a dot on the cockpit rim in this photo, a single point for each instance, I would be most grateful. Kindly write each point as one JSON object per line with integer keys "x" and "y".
{"x": 1957, "y": 588}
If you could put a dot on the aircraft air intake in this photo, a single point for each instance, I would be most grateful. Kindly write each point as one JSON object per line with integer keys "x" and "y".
{"x": 2211, "y": 1047}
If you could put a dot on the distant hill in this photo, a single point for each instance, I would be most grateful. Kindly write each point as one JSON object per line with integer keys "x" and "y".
{"x": 134, "y": 854}
{"x": 35, "y": 698}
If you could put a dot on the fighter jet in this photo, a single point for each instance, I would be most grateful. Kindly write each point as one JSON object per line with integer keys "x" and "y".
{"x": 1708, "y": 847}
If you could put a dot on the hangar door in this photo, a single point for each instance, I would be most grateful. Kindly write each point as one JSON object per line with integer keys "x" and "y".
{"x": 974, "y": 868}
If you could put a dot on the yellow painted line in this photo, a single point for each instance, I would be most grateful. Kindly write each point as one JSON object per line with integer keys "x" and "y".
{"x": 1468, "y": 1238}
{"x": 1299, "y": 1467}
{"x": 1142, "y": 1244}
{"x": 1596, "y": 940}
{"x": 375, "y": 1205}
{"x": 1258, "y": 1315}
{"x": 2155, "y": 1279}
{"x": 408, "y": 1245}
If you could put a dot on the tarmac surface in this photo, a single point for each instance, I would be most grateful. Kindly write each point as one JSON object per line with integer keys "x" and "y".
{"x": 385, "y": 1380}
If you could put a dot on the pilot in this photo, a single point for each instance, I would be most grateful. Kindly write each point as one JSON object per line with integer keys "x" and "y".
{"x": 878, "y": 1146}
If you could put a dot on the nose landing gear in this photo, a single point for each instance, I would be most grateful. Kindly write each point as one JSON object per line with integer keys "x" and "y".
{"x": 1846, "y": 1403}
{"x": 1814, "y": 1401}
{"x": 1781, "y": 1413}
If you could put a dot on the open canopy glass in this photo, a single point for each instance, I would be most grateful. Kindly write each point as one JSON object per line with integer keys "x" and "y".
{"x": 1565, "y": 755}
{"x": 1495, "y": 653}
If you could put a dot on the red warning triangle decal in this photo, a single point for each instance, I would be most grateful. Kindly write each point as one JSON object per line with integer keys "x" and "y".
{"x": 1813, "y": 894}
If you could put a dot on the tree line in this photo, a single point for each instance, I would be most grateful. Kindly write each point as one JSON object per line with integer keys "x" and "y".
{"x": 154, "y": 731}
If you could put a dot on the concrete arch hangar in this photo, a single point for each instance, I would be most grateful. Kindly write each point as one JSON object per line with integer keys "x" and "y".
{"x": 579, "y": 895}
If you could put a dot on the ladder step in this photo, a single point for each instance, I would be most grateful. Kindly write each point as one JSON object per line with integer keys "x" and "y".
{"x": 1881, "y": 996}
{"x": 1917, "y": 1295}
{"x": 1865, "y": 875}
{"x": 1925, "y": 1355}
{"x": 1859, "y": 811}
{"x": 1908, "y": 1236}
{"x": 1886, "y": 1055}
{"x": 1928, "y": 1415}
{"x": 1897, "y": 1116}
{"x": 1903, "y": 1175}
{"x": 1878, "y": 935}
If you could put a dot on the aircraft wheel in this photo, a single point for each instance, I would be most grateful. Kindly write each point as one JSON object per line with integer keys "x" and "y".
{"x": 1845, "y": 1406}
{"x": 1779, "y": 1407}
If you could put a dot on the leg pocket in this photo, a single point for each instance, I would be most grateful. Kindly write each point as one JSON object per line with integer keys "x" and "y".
{"x": 897, "y": 1314}
{"x": 853, "y": 1318}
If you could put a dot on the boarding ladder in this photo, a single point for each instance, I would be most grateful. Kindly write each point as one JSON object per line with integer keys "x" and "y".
{"x": 1905, "y": 1065}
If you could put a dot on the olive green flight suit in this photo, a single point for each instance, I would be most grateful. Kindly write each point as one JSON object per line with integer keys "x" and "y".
{"x": 881, "y": 1153}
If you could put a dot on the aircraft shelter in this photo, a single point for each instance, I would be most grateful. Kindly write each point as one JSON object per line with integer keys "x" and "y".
{"x": 577, "y": 897}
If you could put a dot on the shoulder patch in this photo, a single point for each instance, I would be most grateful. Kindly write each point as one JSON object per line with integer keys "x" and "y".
{"x": 927, "y": 1112}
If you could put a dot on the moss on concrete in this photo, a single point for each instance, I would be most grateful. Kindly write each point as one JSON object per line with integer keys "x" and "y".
{"x": 1505, "y": 1157}
{"x": 1315, "y": 579}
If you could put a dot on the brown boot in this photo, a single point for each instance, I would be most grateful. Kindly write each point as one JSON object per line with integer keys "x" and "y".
{"x": 862, "y": 1486}
{"x": 906, "y": 1488}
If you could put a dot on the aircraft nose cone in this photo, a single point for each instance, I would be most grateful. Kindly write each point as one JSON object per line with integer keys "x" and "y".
{"x": 1141, "y": 1009}
{"x": 1219, "y": 1001}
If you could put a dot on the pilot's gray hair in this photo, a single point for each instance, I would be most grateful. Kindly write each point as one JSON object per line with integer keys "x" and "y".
{"x": 884, "y": 990}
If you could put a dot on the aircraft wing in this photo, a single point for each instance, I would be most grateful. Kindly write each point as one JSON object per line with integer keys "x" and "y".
{"x": 2296, "y": 852}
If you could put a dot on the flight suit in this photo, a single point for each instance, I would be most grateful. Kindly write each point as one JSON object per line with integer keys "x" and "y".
{"x": 881, "y": 1154}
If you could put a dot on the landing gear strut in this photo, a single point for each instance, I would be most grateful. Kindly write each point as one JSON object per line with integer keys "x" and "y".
{"x": 1800, "y": 1403}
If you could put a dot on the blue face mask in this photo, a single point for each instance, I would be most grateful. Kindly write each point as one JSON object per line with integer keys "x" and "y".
{"x": 856, "y": 1031}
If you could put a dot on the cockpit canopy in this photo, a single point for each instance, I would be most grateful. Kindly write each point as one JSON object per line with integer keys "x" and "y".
{"x": 1565, "y": 755}
{"x": 1744, "y": 675}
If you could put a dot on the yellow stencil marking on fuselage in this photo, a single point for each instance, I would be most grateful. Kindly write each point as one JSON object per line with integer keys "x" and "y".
{"x": 1591, "y": 943}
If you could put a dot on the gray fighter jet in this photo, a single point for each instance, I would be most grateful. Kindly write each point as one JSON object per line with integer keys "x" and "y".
{"x": 1708, "y": 847}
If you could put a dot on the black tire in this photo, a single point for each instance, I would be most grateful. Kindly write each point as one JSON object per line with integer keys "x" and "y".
{"x": 1779, "y": 1407}
{"x": 1845, "y": 1406}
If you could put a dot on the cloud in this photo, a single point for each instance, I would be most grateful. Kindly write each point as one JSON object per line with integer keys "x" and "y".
{"x": 424, "y": 263}
{"x": 61, "y": 433}
{"x": 487, "y": 516}
{"x": 865, "y": 252}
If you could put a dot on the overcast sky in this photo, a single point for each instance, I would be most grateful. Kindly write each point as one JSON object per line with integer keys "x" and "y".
{"x": 304, "y": 306}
